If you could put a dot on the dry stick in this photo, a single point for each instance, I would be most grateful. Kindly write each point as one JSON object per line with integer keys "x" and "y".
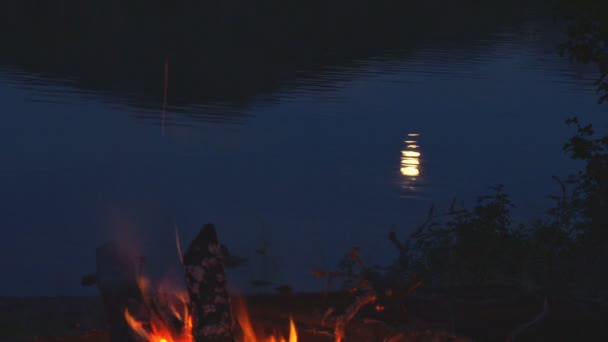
{"x": 354, "y": 255}
{"x": 209, "y": 300}
{"x": 314, "y": 331}
{"x": 369, "y": 297}
{"x": 400, "y": 246}
{"x": 179, "y": 245}
{"x": 526, "y": 325}
{"x": 350, "y": 312}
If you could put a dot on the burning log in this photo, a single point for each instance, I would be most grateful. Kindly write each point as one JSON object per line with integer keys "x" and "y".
{"x": 209, "y": 299}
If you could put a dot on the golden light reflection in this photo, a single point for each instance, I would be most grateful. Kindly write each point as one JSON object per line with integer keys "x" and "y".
{"x": 409, "y": 153}
{"x": 410, "y": 171}
{"x": 410, "y": 158}
{"x": 410, "y": 161}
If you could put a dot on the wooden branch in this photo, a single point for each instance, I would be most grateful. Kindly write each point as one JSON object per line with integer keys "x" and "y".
{"x": 350, "y": 312}
{"x": 527, "y": 325}
{"x": 206, "y": 282}
{"x": 354, "y": 255}
{"x": 402, "y": 248}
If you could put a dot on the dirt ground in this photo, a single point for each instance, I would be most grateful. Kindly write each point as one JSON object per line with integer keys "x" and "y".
{"x": 480, "y": 318}
{"x": 36, "y": 318}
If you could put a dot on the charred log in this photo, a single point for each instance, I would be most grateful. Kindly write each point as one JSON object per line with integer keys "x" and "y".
{"x": 206, "y": 282}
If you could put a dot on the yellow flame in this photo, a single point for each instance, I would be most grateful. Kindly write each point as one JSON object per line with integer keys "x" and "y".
{"x": 293, "y": 334}
{"x": 136, "y": 326}
{"x": 154, "y": 328}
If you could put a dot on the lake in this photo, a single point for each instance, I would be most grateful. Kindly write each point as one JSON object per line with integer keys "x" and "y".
{"x": 299, "y": 135}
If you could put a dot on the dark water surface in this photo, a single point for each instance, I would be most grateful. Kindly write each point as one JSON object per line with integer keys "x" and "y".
{"x": 298, "y": 144}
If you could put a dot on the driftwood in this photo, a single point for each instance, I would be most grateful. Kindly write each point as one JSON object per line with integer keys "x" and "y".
{"x": 206, "y": 282}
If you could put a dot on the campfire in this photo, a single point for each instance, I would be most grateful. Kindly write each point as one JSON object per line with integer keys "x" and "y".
{"x": 374, "y": 307}
{"x": 156, "y": 328}
{"x": 202, "y": 311}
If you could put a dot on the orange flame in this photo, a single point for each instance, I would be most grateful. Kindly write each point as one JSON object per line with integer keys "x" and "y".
{"x": 175, "y": 304}
{"x": 293, "y": 335}
{"x": 249, "y": 335}
{"x": 156, "y": 329}
{"x": 171, "y": 305}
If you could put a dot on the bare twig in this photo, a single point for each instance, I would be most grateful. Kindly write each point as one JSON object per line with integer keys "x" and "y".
{"x": 561, "y": 185}
{"x": 375, "y": 322}
{"x": 400, "y": 246}
{"x": 179, "y": 246}
{"x": 363, "y": 286}
{"x": 526, "y": 325}
{"x": 328, "y": 313}
{"x": 316, "y": 331}
{"x": 350, "y": 312}
{"x": 354, "y": 255}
